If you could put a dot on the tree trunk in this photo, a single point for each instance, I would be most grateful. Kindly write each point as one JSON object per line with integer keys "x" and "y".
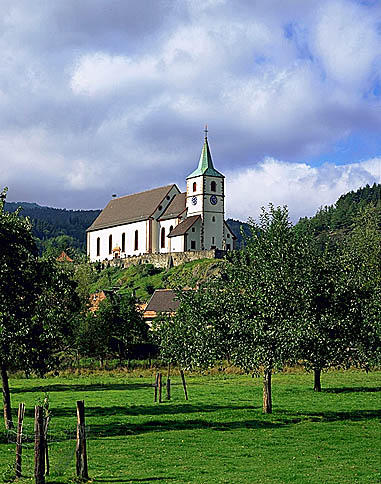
{"x": 184, "y": 384}
{"x": 317, "y": 382}
{"x": 267, "y": 403}
{"x": 6, "y": 398}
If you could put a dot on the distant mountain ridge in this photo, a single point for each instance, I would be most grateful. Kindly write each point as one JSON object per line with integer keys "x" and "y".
{"x": 51, "y": 222}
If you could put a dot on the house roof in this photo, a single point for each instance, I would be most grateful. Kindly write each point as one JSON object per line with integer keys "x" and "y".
{"x": 163, "y": 301}
{"x": 63, "y": 257}
{"x": 230, "y": 230}
{"x": 176, "y": 207}
{"x": 184, "y": 226}
{"x": 130, "y": 208}
{"x": 205, "y": 165}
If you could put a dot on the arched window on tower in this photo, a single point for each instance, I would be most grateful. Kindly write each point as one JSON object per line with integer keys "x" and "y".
{"x": 213, "y": 186}
{"x": 98, "y": 247}
{"x": 194, "y": 186}
{"x": 123, "y": 242}
{"x": 110, "y": 244}
{"x": 170, "y": 228}
{"x": 162, "y": 238}
{"x": 136, "y": 244}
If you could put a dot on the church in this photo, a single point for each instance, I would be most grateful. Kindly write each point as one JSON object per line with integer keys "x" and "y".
{"x": 164, "y": 220}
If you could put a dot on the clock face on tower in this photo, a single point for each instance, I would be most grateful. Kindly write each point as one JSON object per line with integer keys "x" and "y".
{"x": 213, "y": 199}
{"x": 194, "y": 200}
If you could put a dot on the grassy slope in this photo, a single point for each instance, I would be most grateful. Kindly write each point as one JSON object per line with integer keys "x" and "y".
{"x": 218, "y": 436}
{"x": 145, "y": 278}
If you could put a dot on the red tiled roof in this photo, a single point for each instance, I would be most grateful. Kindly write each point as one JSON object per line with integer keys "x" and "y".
{"x": 63, "y": 257}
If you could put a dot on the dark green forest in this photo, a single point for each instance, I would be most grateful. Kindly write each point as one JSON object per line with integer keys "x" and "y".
{"x": 61, "y": 228}
{"x": 341, "y": 216}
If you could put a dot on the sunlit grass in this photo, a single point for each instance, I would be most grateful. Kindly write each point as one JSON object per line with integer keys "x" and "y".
{"x": 219, "y": 436}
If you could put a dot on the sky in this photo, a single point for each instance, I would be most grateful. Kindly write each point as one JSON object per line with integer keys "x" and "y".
{"x": 111, "y": 96}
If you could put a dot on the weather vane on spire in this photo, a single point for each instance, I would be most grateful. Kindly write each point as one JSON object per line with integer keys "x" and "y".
{"x": 206, "y": 131}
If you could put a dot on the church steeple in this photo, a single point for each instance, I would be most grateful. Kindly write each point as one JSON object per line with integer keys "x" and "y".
{"x": 205, "y": 165}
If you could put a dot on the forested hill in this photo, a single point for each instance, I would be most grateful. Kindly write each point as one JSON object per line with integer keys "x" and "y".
{"x": 342, "y": 214}
{"x": 49, "y": 223}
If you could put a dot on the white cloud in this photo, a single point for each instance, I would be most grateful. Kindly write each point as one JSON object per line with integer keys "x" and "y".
{"x": 96, "y": 100}
{"x": 347, "y": 42}
{"x": 301, "y": 187}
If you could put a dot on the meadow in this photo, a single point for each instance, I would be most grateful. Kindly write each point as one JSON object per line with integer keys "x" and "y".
{"x": 218, "y": 436}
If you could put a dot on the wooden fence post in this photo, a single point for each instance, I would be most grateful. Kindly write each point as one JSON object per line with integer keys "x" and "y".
{"x": 46, "y": 425}
{"x": 80, "y": 452}
{"x": 20, "y": 418}
{"x": 39, "y": 445}
{"x": 160, "y": 387}
{"x": 184, "y": 384}
{"x": 156, "y": 385}
{"x": 169, "y": 382}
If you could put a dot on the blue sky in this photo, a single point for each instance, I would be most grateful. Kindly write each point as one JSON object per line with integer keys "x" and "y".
{"x": 111, "y": 96}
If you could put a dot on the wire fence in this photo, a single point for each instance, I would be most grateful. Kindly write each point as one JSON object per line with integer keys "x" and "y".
{"x": 59, "y": 442}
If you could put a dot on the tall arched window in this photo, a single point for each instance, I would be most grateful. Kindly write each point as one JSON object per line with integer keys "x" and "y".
{"x": 98, "y": 247}
{"x": 213, "y": 186}
{"x": 136, "y": 244}
{"x": 194, "y": 186}
{"x": 162, "y": 238}
{"x": 110, "y": 244}
{"x": 123, "y": 242}
{"x": 170, "y": 228}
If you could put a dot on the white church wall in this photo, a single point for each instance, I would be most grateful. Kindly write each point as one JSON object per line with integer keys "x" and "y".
{"x": 177, "y": 244}
{"x": 116, "y": 232}
{"x": 197, "y": 195}
{"x": 166, "y": 225}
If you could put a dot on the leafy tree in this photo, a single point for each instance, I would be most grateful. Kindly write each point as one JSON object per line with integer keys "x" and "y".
{"x": 361, "y": 261}
{"x": 252, "y": 312}
{"x": 113, "y": 328}
{"x": 18, "y": 257}
{"x": 268, "y": 276}
{"x": 37, "y": 303}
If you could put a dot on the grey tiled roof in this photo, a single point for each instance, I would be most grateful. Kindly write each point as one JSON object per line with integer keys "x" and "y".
{"x": 163, "y": 301}
{"x": 184, "y": 226}
{"x": 130, "y": 208}
{"x": 176, "y": 207}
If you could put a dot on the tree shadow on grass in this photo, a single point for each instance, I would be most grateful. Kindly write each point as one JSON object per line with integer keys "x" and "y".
{"x": 146, "y": 479}
{"x": 117, "y": 430}
{"x": 352, "y": 390}
{"x": 90, "y": 387}
{"x": 331, "y": 416}
{"x": 140, "y": 410}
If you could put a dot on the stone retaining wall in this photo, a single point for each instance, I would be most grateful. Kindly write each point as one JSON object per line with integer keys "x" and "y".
{"x": 165, "y": 260}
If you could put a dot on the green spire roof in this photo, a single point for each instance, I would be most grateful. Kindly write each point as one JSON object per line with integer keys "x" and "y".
{"x": 205, "y": 165}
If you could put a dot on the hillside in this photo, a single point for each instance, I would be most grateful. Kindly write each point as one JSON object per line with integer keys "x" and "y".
{"x": 49, "y": 223}
{"x": 341, "y": 216}
{"x": 142, "y": 280}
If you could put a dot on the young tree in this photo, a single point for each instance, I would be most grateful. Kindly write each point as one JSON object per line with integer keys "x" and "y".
{"x": 114, "y": 328}
{"x": 253, "y": 312}
{"x": 37, "y": 301}
{"x": 344, "y": 286}
{"x": 18, "y": 264}
{"x": 268, "y": 276}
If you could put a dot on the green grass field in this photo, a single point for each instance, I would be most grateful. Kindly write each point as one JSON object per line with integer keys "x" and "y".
{"x": 219, "y": 436}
